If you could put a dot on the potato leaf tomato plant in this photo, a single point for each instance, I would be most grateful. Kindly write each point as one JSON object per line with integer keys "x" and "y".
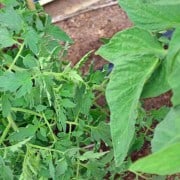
{"x": 146, "y": 64}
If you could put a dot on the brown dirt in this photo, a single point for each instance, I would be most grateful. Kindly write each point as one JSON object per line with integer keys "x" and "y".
{"x": 86, "y": 29}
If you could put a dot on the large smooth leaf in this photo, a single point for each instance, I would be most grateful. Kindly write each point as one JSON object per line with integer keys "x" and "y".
{"x": 164, "y": 162}
{"x": 131, "y": 52}
{"x": 130, "y": 43}
{"x": 158, "y": 83}
{"x": 123, "y": 93}
{"x": 153, "y": 14}
{"x": 168, "y": 131}
{"x": 173, "y": 58}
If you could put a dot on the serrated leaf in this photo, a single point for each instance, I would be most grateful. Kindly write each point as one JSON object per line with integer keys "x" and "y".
{"x": 17, "y": 146}
{"x": 153, "y": 14}
{"x": 61, "y": 167}
{"x": 6, "y": 172}
{"x": 131, "y": 52}
{"x": 51, "y": 170}
{"x": 74, "y": 76}
{"x": 11, "y": 19}
{"x": 158, "y": 82}
{"x": 163, "y": 162}
{"x": 102, "y": 132}
{"x": 67, "y": 103}
{"x": 6, "y": 39}
{"x": 31, "y": 39}
{"x": 29, "y": 61}
{"x": 58, "y": 33}
{"x": 19, "y": 82}
{"x": 83, "y": 60}
{"x": 159, "y": 114}
{"x": 6, "y": 105}
{"x": 87, "y": 101}
{"x": 23, "y": 133}
{"x": 91, "y": 155}
{"x": 168, "y": 131}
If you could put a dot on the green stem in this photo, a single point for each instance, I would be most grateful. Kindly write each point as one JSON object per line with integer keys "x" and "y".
{"x": 26, "y": 111}
{"x": 101, "y": 109}
{"x": 5, "y": 132}
{"x": 45, "y": 148}
{"x": 13, "y": 124}
{"x": 52, "y": 134}
{"x": 72, "y": 123}
{"x": 139, "y": 175}
{"x": 17, "y": 56}
{"x": 77, "y": 169}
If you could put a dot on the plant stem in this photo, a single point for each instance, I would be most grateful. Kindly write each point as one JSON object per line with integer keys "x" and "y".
{"x": 77, "y": 169}
{"x": 5, "y": 132}
{"x": 17, "y": 56}
{"x": 45, "y": 148}
{"x": 13, "y": 124}
{"x": 26, "y": 111}
{"x": 52, "y": 134}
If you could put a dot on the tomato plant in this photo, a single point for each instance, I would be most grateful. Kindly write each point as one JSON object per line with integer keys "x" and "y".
{"x": 51, "y": 126}
{"x": 146, "y": 64}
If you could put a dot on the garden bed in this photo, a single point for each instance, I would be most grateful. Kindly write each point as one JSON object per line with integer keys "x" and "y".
{"x": 56, "y": 119}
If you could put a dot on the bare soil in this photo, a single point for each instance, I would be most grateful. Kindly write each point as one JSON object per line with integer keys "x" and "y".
{"x": 87, "y": 28}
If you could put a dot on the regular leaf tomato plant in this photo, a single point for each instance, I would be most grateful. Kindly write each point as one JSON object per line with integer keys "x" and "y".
{"x": 146, "y": 64}
{"x": 50, "y": 124}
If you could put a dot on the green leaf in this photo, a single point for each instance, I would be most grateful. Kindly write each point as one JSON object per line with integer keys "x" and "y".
{"x": 159, "y": 114}
{"x": 129, "y": 43}
{"x": 61, "y": 167}
{"x": 87, "y": 101}
{"x": 11, "y": 19}
{"x": 83, "y": 60}
{"x": 153, "y": 14}
{"x": 91, "y": 155}
{"x": 58, "y": 33}
{"x": 6, "y": 105}
{"x": 67, "y": 103}
{"x": 19, "y": 82}
{"x": 29, "y": 61}
{"x": 52, "y": 170}
{"x": 158, "y": 82}
{"x": 131, "y": 52}
{"x": 9, "y": 2}
{"x": 23, "y": 133}
{"x": 123, "y": 93}
{"x": 163, "y": 162}
{"x": 17, "y": 146}
{"x": 173, "y": 68}
{"x": 102, "y": 132}
{"x": 168, "y": 131}
{"x": 6, "y": 172}
{"x": 6, "y": 39}
{"x": 31, "y": 39}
